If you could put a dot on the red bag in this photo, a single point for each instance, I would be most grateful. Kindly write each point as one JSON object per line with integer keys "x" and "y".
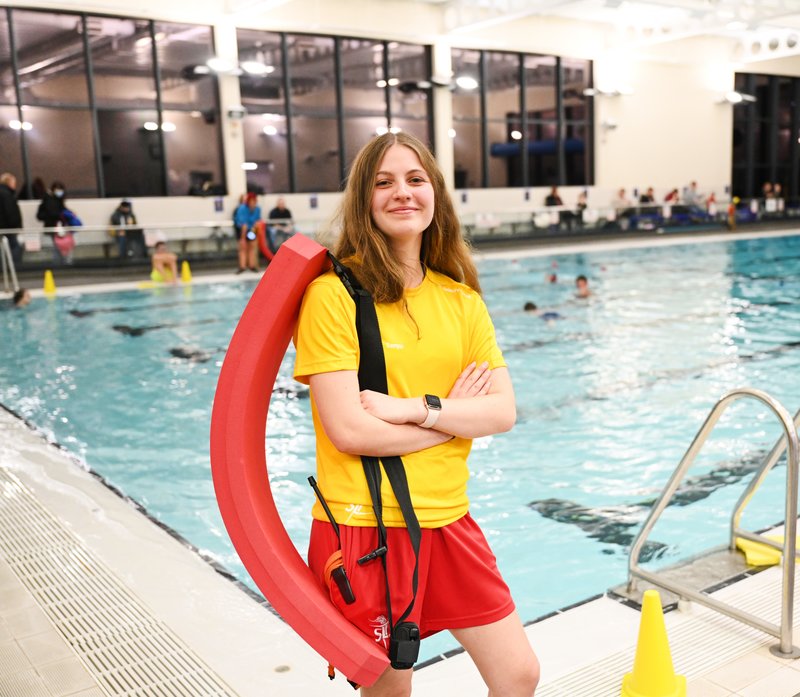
{"x": 64, "y": 242}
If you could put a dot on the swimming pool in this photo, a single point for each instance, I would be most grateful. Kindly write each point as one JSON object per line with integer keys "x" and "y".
{"x": 609, "y": 398}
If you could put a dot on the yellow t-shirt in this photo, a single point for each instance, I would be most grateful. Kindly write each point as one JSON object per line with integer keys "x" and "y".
{"x": 450, "y": 328}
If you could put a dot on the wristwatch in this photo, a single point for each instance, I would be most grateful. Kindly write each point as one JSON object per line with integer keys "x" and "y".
{"x": 434, "y": 406}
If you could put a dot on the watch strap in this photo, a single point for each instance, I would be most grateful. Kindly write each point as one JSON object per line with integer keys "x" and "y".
{"x": 432, "y": 417}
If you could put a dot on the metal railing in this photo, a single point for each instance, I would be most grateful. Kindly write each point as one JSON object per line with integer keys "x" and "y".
{"x": 788, "y": 441}
{"x": 10, "y": 283}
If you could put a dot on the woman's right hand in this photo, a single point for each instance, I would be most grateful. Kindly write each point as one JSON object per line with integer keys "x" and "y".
{"x": 474, "y": 381}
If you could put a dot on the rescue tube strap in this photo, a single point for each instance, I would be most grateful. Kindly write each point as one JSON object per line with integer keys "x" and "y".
{"x": 372, "y": 376}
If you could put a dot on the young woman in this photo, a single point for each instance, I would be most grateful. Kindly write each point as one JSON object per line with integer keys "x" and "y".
{"x": 401, "y": 238}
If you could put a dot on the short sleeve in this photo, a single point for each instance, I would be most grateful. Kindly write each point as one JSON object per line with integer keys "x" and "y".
{"x": 483, "y": 342}
{"x": 325, "y": 337}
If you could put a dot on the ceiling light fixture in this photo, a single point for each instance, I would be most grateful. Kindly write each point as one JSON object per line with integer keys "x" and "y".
{"x": 734, "y": 97}
{"x": 466, "y": 82}
{"x": 256, "y": 68}
{"x": 166, "y": 126}
{"x": 598, "y": 92}
{"x": 220, "y": 65}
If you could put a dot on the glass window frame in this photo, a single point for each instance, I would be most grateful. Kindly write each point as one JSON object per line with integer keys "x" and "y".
{"x": 95, "y": 106}
{"x": 527, "y": 173}
{"x": 343, "y": 110}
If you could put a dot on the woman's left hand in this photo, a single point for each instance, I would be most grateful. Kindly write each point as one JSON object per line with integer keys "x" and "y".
{"x": 393, "y": 410}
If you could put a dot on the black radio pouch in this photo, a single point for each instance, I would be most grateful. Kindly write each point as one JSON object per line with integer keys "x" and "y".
{"x": 404, "y": 646}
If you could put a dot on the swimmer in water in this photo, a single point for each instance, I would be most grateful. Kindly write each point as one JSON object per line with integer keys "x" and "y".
{"x": 546, "y": 315}
{"x": 165, "y": 265}
{"x": 582, "y": 289}
{"x": 21, "y": 298}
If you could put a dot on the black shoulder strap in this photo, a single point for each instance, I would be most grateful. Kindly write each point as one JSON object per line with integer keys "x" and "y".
{"x": 372, "y": 376}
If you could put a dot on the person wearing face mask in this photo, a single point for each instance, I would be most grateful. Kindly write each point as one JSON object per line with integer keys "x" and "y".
{"x": 51, "y": 213}
{"x": 52, "y": 205}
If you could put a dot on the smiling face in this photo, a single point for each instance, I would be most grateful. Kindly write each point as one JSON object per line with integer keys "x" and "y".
{"x": 402, "y": 199}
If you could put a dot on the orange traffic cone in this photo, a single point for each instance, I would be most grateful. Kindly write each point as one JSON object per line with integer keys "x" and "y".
{"x": 653, "y": 674}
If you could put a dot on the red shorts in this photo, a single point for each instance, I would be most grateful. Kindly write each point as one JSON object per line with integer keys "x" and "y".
{"x": 459, "y": 584}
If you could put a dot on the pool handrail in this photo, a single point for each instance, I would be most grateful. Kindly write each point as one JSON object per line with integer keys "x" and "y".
{"x": 7, "y": 263}
{"x": 788, "y": 441}
{"x": 769, "y": 462}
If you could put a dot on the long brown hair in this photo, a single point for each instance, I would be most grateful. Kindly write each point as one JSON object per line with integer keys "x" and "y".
{"x": 362, "y": 245}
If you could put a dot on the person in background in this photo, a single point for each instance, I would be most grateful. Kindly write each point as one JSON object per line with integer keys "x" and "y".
{"x": 620, "y": 201}
{"x": 692, "y": 197}
{"x": 732, "y": 213}
{"x": 52, "y": 212}
{"x": 52, "y": 205}
{"x": 285, "y": 228}
{"x": 130, "y": 242}
{"x": 648, "y": 196}
{"x": 165, "y": 265}
{"x": 401, "y": 238}
{"x": 246, "y": 220}
{"x": 553, "y": 198}
{"x": 10, "y": 214}
{"x": 547, "y": 315}
{"x": 582, "y": 289}
{"x": 777, "y": 194}
{"x": 672, "y": 197}
{"x": 711, "y": 204}
{"x": 21, "y": 298}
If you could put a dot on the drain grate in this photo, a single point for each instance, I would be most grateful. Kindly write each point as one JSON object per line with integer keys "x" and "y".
{"x": 126, "y": 649}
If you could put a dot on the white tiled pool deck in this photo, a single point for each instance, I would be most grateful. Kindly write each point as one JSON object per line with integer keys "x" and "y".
{"x": 109, "y": 603}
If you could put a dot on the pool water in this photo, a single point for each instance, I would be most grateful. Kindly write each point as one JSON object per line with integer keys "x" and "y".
{"x": 609, "y": 397}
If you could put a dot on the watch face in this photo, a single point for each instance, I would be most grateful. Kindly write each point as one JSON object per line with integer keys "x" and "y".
{"x": 433, "y": 401}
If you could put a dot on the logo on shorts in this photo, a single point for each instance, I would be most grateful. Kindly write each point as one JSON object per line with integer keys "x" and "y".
{"x": 380, "y": 629}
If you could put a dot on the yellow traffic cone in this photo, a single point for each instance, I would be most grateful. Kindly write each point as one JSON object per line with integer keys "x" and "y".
{"x": 653, "y": 674}
{"x": 186, "y": 273}
{"x": 49, "y": 283}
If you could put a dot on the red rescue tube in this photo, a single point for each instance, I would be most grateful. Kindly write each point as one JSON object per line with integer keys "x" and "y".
{"x": 261, "y": 236}
{"x": 239, "y": 466}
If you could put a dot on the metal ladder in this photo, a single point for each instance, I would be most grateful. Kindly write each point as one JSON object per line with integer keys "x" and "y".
{"x": 788, "y": 440}
{"x": 7, "y": 263}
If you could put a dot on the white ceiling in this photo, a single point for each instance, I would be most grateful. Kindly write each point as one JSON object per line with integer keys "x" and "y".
{"x": 761, "y": 28}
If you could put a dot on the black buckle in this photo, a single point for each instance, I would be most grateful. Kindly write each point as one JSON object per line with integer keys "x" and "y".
{"x": 374, "y": 554}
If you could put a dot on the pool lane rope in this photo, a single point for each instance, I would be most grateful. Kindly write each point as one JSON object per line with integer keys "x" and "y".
{"x": 241, "y": 477}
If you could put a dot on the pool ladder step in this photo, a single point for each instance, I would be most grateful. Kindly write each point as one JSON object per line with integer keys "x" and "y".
{"x": 695, "y": 578}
